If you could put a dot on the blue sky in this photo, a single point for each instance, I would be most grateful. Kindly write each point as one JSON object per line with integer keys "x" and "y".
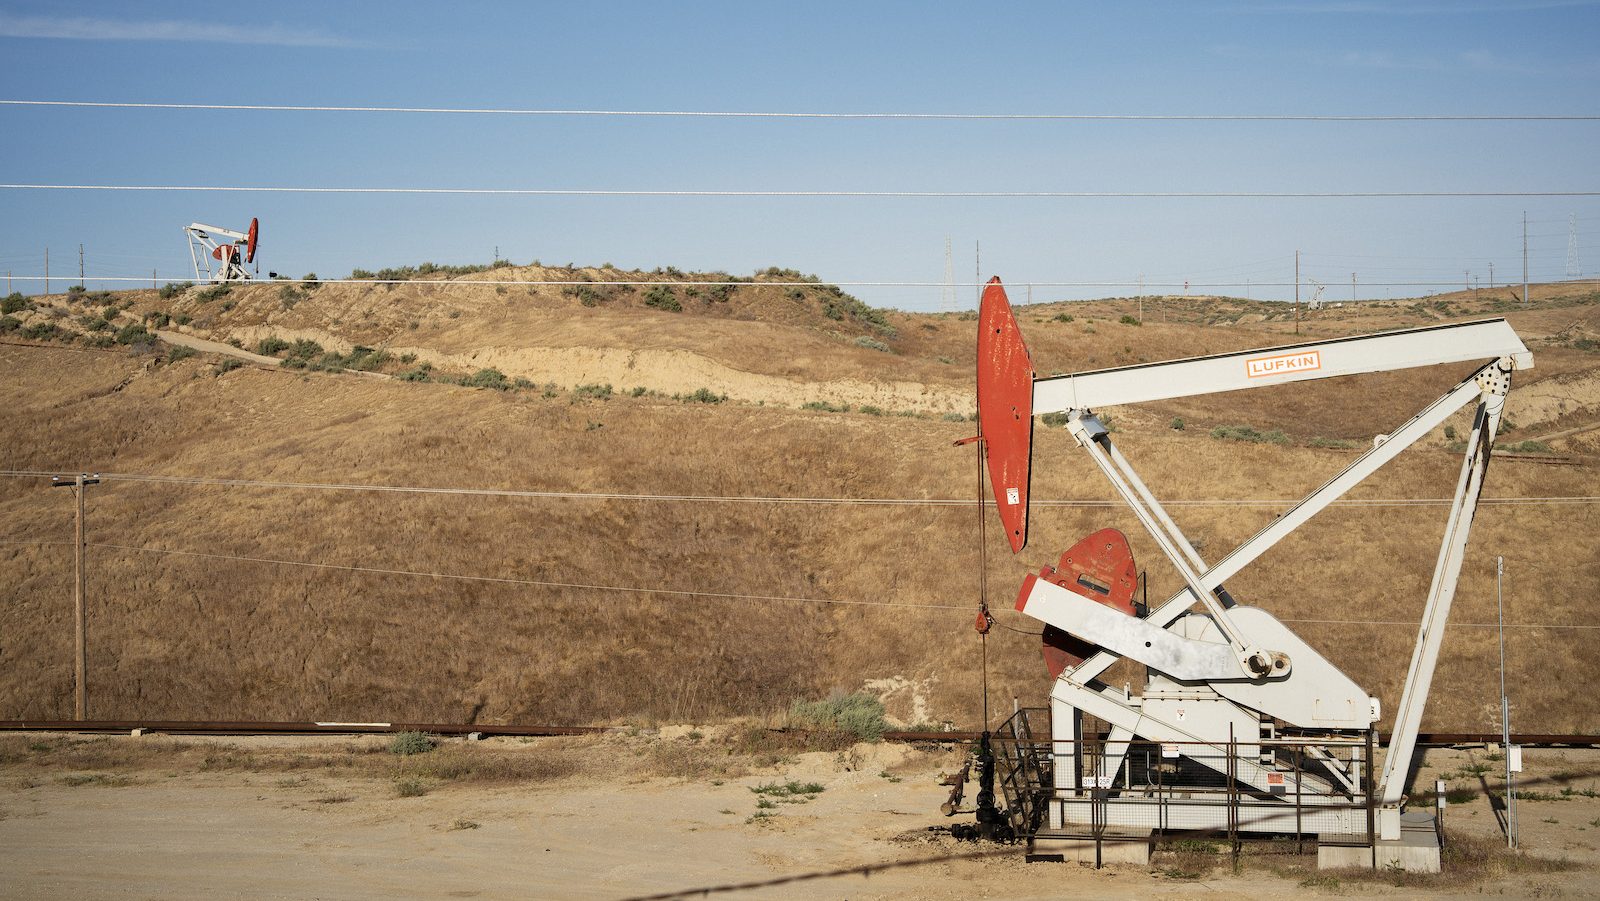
{"x": 1319, "y": 58}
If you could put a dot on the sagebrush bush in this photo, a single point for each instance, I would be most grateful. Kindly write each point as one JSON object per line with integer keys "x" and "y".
{"x": 860, "y": 715}
{"x": 406, "y": 744}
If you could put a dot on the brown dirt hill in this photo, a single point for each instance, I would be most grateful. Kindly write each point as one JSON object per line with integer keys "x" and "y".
{"x": 175, "y": 635}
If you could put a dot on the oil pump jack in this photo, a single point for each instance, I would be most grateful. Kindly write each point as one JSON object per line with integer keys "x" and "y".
{"x": 230, "y": 255}
{"x": 1229, "y": 689}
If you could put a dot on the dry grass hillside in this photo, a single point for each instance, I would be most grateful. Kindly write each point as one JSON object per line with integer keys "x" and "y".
{"x": 735, "y": 393}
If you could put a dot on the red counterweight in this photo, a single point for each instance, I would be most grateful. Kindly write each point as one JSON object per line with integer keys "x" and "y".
{"x": 1101, "y": 568}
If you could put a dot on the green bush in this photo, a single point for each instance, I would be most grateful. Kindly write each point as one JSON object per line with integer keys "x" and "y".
{"x": 1061, "y": 317}
{"x": 158, "y": 319}
{"x": 310, "y": 282}
{"x": 228, "y": 365}
{"x": 873, "y": 344}
{"x": 1249, "y": 434}
{"x": 41, "y": 331}
{"x": 134, "y": 333}
{"x": 1129, "y": 320}
{"x": 662, "y": 297}
{"x": 361, "y": 274}
{"x": 1526, "y": 447}
{"x": 13, "y": 303}
{"x": 410, "y": 787}
{"x": 704, "y": 396}
{"x": 179, "y": 352}
{"x": 860, "y": 715}
{"x": 1177, "y": 423}
{"x": 173, "y": 289}
{"x": 418, "y": 374}
{"x": 406, "y": 744}
{"x": 214, "y": 292}
{"x": 825, "y": 407}
{"x": 487, "y": 378}
{"x": 304, "y": 349}
{"x": 599, "y": 392}
{"x": 9, "y": 324}
{"x": 271, "y": 346}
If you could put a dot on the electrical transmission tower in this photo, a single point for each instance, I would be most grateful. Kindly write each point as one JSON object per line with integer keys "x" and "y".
{"x": 947, "y": 294}
{"x": 1574, "y": 270}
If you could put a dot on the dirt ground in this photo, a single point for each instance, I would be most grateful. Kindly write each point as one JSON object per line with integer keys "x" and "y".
{"x": 848, "y": 824}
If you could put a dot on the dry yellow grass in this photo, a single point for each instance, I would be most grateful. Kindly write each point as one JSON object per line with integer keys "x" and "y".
{"x": 191, "y": 637}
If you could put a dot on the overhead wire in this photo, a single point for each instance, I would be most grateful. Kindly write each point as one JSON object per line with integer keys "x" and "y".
{"x": 779, "y": 114}
{"x": 207, "y": 481}
{"x": 707, "y": 192}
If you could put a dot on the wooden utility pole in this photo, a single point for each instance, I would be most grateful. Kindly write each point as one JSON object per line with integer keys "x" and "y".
{"x": 80, "y": 265}
{"x": 1297, "y": 292}
{"x": 80, "y": 694}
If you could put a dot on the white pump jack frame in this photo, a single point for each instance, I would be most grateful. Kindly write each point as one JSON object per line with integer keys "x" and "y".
{"x": 1493, "y": 340}
{"x": 201, "y": 244}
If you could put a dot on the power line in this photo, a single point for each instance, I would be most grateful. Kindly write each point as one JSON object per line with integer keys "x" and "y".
{"x": 772, "y": 114}
{"x": 1386, "y": 622}
{"x": 690, "y": 283}
{"x": 539, "y": 583}
{"x": 632, "y": 192}
{"x": 753, "y": 499}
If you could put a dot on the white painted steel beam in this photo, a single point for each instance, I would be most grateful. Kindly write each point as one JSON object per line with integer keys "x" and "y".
{"x": 1486, "y": 340}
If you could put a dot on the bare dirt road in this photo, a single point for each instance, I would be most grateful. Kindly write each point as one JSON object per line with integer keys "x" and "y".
{"x": 191, "y": 833}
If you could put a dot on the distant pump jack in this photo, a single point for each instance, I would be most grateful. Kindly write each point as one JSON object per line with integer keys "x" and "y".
{"x": 230, "y": 257}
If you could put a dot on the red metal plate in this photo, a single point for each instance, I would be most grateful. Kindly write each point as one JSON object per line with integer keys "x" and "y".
{"x": 1005, "y": 410}
{"x": 1101, "y": 568}
{"x": 250, "y": 242}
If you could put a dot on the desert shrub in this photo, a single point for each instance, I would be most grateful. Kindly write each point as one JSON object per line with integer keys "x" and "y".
{"x": 14, "y": 302}
{"x": 1526, "y": 447}
{"x": 1177, "y": 423}
{"x": 704, "y": 396}
{"x": 487, "y": 378}
{"x": 133, "y": 333}
{"x": 1055, "y": 419}
{"x": 271, "y": 346}
{"x": 76, "y": 292}
{"x": 410, "y": 787}
{"x": 1249, "y": 434}
{"x": 228, "y": 365}
{"x": 94, "y": 323}
{"x": 173, "y": 289}
{"x": 599, "y": 392}
{"x": 860, "y": 715}
{"x": 183, "y": 319}
{"x": 953, "y": 417}
{"x": 1061, "y": 317}
{"x": 873, "y": 344}
{"x": 158, "y": 319}
{"x": 361, "y": 274}
{"x": 417, "y": 374}
{"x": 310, "y": 283}
{"x": 179, "y": 352}
{"x": 1336, "y": 443}
{"x": 406, "y": 744}
{"x": 288, "y": 296}
{"x": 662, "y": 297}
{"x": 213, "y": 293}
{"x": 9, "y": 324}
{"x": 304, "y": 349}
{"x": 825, "y": 407}
{"x": 41, "y": 331}
{"x": 1129, "y": 320}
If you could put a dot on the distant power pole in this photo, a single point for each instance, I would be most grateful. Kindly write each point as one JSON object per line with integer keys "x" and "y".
{"x": 1573, "y": 269}
{"x": 1524, "y": 257}
{"x": 47, "y": 272}
{"x": 1297, "y": 292}
{"x": 977, "y": 268}
{"x": 80, "y": 265}
{"x": 947, "y": 294}
{"x": 1352, "y": 287}
{"x": 152, "y": 279}
{"x": 497, "y": 253}
{"x": 1491, "y": 275}
{"x": 80, "y": 702}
